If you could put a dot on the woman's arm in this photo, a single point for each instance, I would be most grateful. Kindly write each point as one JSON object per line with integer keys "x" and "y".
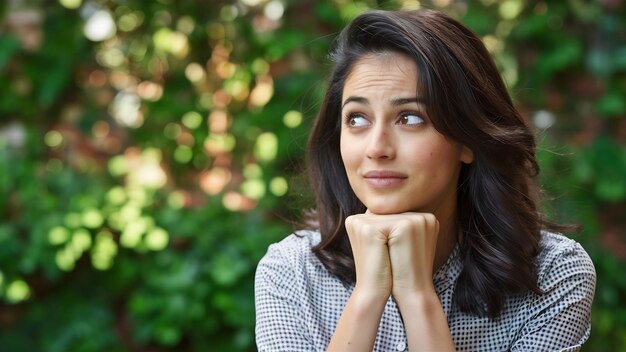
{"x": 394, "y": 254}
{"x": 412, "y": 251}
{"x": 425, "y": 322}
{"x": 358, "y": 325}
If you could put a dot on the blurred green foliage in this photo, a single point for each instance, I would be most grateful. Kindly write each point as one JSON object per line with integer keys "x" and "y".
{"x": 148, "y": 151}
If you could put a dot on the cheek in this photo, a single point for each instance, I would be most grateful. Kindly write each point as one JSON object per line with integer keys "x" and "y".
{"x": 434, "y": 156}
{"x": 347, "y": 152}
{"x": 342, "y": 150}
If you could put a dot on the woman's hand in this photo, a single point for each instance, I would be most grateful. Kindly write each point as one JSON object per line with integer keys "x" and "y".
{"x": 393, "y": 254}
{"x": 368, "y": 234}
{"x": 359, "y": 321}
{"x": 412, "y": 242}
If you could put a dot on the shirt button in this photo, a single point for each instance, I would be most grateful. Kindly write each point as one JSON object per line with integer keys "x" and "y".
{"x": 401, "y": 346}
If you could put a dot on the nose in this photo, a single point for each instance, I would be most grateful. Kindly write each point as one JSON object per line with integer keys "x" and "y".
{"x": 380, "y": 144}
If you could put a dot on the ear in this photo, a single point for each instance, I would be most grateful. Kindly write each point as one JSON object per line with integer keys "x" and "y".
{"x": 467, "y": 155}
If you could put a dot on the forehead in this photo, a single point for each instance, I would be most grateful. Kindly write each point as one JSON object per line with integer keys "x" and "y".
{"x": 382, "y": 72}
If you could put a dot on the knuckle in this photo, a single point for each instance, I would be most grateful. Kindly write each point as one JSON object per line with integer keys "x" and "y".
{"x": 405, "y": 222}
{"x": 419, "y": 220}
{"x": 367, "y": 228}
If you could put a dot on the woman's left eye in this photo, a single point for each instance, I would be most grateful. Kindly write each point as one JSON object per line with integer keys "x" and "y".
{"x": 410, "y": 118}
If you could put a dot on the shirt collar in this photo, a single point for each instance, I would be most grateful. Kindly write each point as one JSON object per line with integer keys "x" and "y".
{"x": 447, "y": 274}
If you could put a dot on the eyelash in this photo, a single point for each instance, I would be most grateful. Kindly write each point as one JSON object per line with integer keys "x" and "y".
{"x": 401, "y": 115}
{"x": 413, "y": 113}
{"x": 350, "y": 116}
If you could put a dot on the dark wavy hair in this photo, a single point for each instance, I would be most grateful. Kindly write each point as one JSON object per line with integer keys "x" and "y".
{"x": 467, "y": 102}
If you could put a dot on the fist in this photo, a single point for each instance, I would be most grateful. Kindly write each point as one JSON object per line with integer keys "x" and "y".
{"x": 368, "y": 240}
{"x": 412, "y": 246}
{"x": 394, "y": 253}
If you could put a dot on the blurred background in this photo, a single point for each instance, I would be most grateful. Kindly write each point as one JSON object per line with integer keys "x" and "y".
{"x": 150, "y": 151}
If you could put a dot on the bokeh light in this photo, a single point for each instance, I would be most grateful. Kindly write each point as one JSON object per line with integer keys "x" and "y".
{"x": 292, "y": 119}
{"x": 173, "y": 42}
{"x": 274, "y": 10}
{"x": 195, "y": 73}
{"x": 92, "y": 218}
{"x": 509, "y": 9}
{"x": 157, "y": 239}
{"x": 70, "y": 4}
{"x": 100, "y": 26}
{"x": 17, "y": 291}
{"x": 214, "y": 180}
{"x": 266, "y": 146}
{"x": 217, "y": 143}
{"x": 218, "y": 121}
{"x": 183, "y": 154}
{"x": 279, "y": 186}
{"x": 104, "y": 251}
{"x": 253, "y": 188}
{"x": 53, "y": 139}
{"x": 58, "y": 235}
{"x": 126, "y": 109}
{"x": 262, "y": 92}
{"x": 80, "y": 242}
{"x": 252, "y": 170}
{"x": 177, "y": 199}
{"x": 192, "y": 119}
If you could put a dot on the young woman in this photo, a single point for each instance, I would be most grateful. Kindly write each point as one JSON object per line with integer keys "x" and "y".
{"x": 428, "y": 236}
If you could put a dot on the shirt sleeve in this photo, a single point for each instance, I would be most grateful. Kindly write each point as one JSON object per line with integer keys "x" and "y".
{"x": 280, "y": 325}
{"x": 560, "y": 319}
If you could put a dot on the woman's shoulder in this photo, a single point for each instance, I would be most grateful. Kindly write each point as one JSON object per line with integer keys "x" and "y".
{"x": 302, "y": 238}
{"x": 297, "y": 243}
{"x": 561, "y": 257}
{"x": 294, "y": 250}
{"x": 554, "y": 245}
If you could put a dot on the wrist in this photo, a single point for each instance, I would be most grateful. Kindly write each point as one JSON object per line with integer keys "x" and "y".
{"x": 423, "y": 301}
{"x": 369, "y": 297}
{"x": 413, "y": 288}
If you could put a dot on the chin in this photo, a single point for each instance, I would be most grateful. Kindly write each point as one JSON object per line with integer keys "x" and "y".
{"x": 384, "y": 212}
{"x": 381, "y": 209}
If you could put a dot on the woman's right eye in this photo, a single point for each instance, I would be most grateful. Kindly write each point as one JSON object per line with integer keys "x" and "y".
{"x": 357, "y": 121}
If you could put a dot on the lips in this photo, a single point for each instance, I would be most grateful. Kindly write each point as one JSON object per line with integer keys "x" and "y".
{"x": 384, "y": 178}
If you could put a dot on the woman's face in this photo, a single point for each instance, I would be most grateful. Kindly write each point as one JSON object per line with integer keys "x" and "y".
{"x": 395, "y": 159}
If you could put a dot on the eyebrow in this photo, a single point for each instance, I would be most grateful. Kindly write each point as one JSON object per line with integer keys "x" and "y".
{"x": 394, "y": 102}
